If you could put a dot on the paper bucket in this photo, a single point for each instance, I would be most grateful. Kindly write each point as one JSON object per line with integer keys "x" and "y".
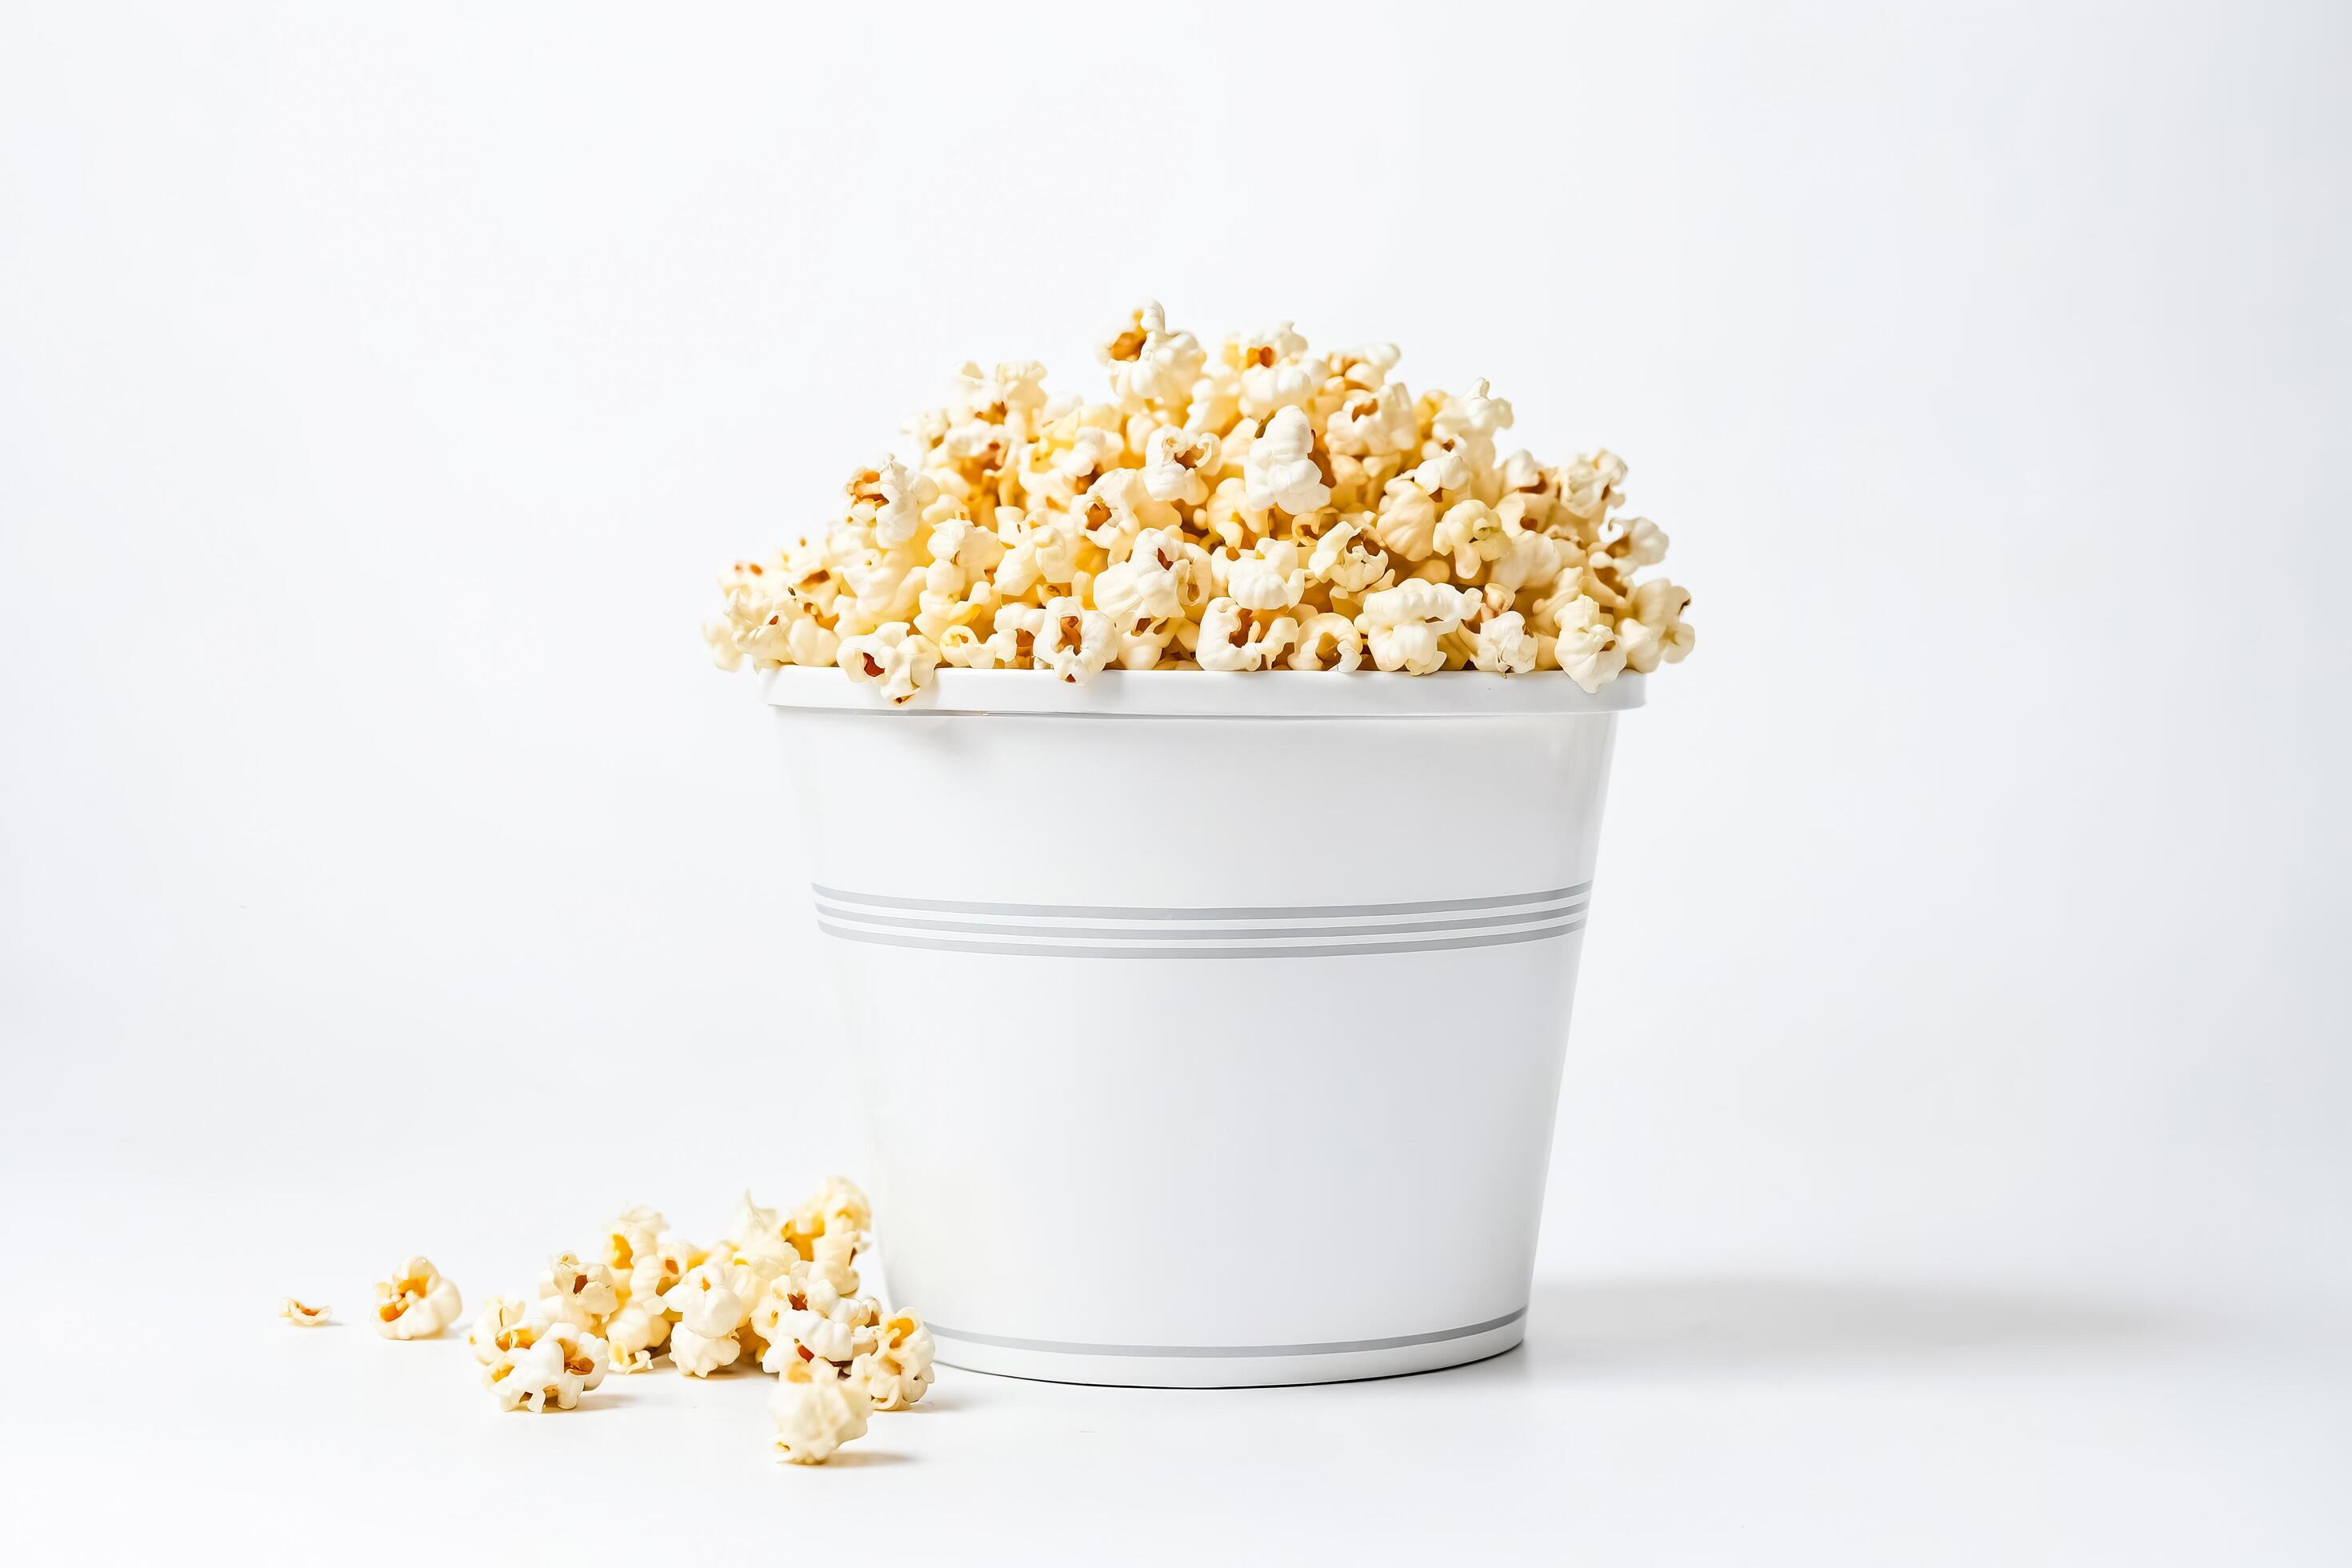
{"x": 1211, "y": 1026}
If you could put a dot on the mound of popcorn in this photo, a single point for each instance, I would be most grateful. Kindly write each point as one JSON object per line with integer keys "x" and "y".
{"x": 780, "y": 1291}
{"x": 1262, "y": 508}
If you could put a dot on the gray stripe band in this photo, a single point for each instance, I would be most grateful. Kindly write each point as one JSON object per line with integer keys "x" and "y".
{"x": 1401, "y": 928}
{"x": 1101, "y": 911}
{"x": 1328, "y": 1347}
{"x": 1033, "y": 950}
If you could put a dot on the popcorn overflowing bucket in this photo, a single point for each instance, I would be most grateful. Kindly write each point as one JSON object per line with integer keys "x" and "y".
{"x": 1211, "y": 1026}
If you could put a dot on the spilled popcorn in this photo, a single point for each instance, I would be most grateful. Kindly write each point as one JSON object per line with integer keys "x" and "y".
{"x": 415, "y": 1303}
{"x": 779, "y": 1292}
{"x": 302, "y": 1315}
{"x": 1261, "y": 508}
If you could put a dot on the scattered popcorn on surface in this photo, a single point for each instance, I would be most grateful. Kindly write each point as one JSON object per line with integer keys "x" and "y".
{"x": 896, "y": 1372}
{"x": 780, "y": 1291}
{"x": 302, "y": 1315}
{"x": 552, "y": 1367}
{"x": 505, "y": 1324}
{"x": 415, "y": 1303}
{"x": 584, "y": 1294}
{"x": 1255, "y": 508}
{"x": 704, "y": 1340}
{"x": 815, "y": 1412}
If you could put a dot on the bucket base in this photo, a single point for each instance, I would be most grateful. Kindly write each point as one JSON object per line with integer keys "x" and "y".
{"x": 1256, "y": 1366}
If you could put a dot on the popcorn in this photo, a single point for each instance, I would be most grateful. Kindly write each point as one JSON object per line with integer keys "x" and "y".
{"x": 634, "y": 1333}
{"x": 302, "y": 1315}
{"x": 1652, "y": 630}
{"x": 698, "y": 1354}
{"x": 1328, "y": 641}
{"x": 896, "y": 1372}
{"x": 632, "y": 1233}
{"x": 582, "y": 1294}
{"x": 415, "y": 1303}
{"x": 505, "y": 1324}
{"x": 781, "y": 1290}
{"x": 1505, "y": 646}
{"x": 901, "y": 661}
{"x": 1280, "y": 472}
{"x": 1402, "y": 625}
{"x": 1078, "y": 642}
{"x": 840, "y": 1208}
{"x": 1205, "y": 515}
{"x": 550, "y": 1371}
{"x": 710, "y": 1312}
{"x": 816, "y": 1412}
{"x": 805, "y": 1316}
{"x": 1268, "y": 578}
{"x": 1586, "y": 646}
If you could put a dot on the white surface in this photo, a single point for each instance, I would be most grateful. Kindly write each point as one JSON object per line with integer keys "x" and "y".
{"x": 379, "y": 395}
{"x": 1075, "y": 1063}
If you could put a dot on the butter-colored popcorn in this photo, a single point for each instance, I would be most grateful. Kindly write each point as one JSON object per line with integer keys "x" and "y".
{"x": 1077, "y": 642}
{"x": 1207, "y": 514}
{"x": 634, "y": 1333}
{"x": 1402, "y": 625}
{"x": 549, "y": 1372}
{"x": 1471, "y": 534}
{"x": 1268, "y": 577}
{"x": 1328, "y": 641}
{"x": 898, "y": 1370}
{"x": 1504, "y": 645}
{"x": 634, "y": 1233}
{"x": 1234, "y": 638}
{"x": 1346, "y": 559}
{"x": 815, "y": 1412}
{"x": 505, "y": 1324}
{"x": 839, "y": 1207}
{"x": 1587, "y": 646}
{"x": 1152, "y": 366}
{"x": 833, "y": 1258}
{"x": 582, "y": 1294}
{"x": 891, "y": 500}
{"x": 1177, "y": 465}
{"x": 703, "y": 1341}
{"x": 897, "y": 660}
{"x": 805, "y": 1315}
{"x": 302, "y": 1315}
{"x": 1280, "y": 472}
{"x": 416, "y": 1303}
{"x": 1652, "y": 631}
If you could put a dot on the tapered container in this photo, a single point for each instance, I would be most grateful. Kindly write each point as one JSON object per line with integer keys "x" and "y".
{"x": 1210, "y": 1025}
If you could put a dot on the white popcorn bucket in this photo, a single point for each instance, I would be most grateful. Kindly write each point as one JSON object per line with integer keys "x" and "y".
{"x": 1211, "y": 1026}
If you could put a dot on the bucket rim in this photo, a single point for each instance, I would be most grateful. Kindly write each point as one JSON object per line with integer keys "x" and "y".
{"x": 1210, "y": 694}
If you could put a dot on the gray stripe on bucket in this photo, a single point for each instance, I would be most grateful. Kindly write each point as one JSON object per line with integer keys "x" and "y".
{"x": 1401, "y": 927}
{"x": 1109, "y": 912}
{"x": 1241, "y": 950}
{"x": 1327, "y": 1347}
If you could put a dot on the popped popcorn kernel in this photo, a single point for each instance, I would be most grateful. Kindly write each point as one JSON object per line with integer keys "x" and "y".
{"x": 815, "y": 1412}
{"x": 302, "y": 1315}
{"x": 710, "y": 1311}
{"x": 415, "y": 1303}
{"x": 898, "y": 1370}
{"x": 1203, "y": 516}
{"x": 584, "y": 1294}
{"x": 504, "y": 1325}
{"x": 551, "y": 1372}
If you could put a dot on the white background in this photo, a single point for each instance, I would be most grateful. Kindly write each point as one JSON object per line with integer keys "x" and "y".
{"x": 1952, "y": 1161}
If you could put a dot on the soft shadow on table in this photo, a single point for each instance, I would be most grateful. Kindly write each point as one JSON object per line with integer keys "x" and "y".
{"x": 1705, "y": 1325}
